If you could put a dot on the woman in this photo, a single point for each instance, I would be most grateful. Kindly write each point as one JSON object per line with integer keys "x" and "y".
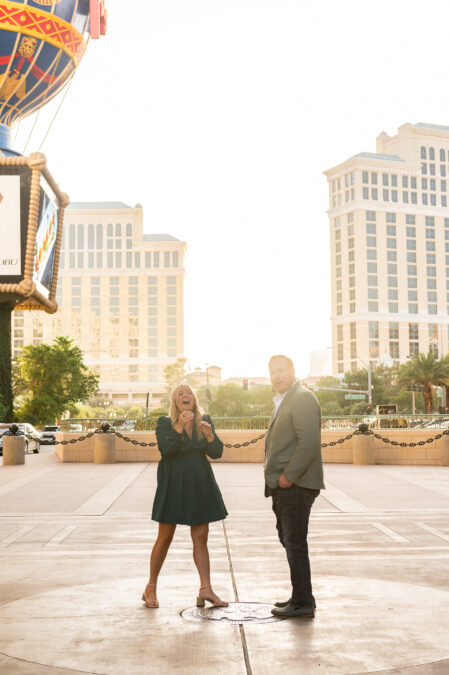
{"x": 187, "y": 493}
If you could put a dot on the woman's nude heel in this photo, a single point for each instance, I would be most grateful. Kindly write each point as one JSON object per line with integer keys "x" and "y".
{"x": 154, "y": 604}
{"x": 201, "y": 601}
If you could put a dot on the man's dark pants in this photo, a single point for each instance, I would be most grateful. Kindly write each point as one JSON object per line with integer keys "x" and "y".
{"x": 292, "y": 509}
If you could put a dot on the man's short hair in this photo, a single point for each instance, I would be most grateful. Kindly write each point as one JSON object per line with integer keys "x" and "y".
{"x": 281, "y": 356}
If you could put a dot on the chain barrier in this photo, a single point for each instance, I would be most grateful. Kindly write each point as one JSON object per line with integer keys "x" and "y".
{"x": 105, "y": 429}
{"x": 245, "y": 443}
{"x": 340, "y": 440}
{"x": 362, "y": 430}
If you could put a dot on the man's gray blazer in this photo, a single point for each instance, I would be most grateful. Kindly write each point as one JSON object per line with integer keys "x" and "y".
{"x": 293, "y": 441}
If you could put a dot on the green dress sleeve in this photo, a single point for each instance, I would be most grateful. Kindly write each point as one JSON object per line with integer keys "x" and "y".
{"x": 215, "y": 448}
{"x": 168, "y": 440}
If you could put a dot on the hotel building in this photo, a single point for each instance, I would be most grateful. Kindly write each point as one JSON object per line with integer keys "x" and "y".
{"x": 389, "y": 235}
{"x": 120, "y": 297}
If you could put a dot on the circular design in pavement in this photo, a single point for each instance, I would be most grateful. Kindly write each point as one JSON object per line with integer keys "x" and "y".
{"x": 238, "y": 613}
{"x": 361, "y": 625}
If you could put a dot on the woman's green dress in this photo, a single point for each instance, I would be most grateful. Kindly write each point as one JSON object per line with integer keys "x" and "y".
{"x": 187, "y": 492}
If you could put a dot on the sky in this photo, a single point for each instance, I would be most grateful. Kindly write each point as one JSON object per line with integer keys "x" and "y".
{"x": 219, "y": 117}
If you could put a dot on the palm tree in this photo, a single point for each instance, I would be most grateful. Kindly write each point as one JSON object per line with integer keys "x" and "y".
{"x": 428, "y": 371}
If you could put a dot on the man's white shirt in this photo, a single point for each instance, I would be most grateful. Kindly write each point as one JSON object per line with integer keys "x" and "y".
{"x": 277, "y": 400}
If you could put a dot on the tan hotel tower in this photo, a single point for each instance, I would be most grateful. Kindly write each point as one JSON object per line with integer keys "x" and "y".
{"x": 121, "y": 298}
{"x": 389, "y": 234}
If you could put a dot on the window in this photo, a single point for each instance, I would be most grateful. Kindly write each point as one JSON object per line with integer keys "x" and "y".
{"x": 391, "y": 255}
{"x": 392, "y": 282}
{"x": 431, "y": 283}
{"x": 339, "y": 332}
{"x": 353, "y": 330}
{"x": 384, "y": 179}
{"x": 393, "y": 307}
{"x": 365, "y": 193}
{"x": 413, "y": 296}
{"x": 391, "y": 230}
{"x": 373, "y": 349}
{"x": 423, "y": 152}
{"x": 431, "y": 309}
{"x": 411, "y": 244}
{"x": 412, "y": 308}
{"x": 372, "y": 280}
{"x": 392, "y": 294}
{"x": 413, "y": 331}
{"x": 372, "y": 306}
{"x": 391, "y": 217}
{"x": 156, "y": 259}
{"x": 365, "y": 178}
{"x": 371, "y": 215}
{"x": 371, "y": 242}
{"x": 373, "y": 178}
{"x": 430, "y": 258}
{"x": 370, "y": 228}
{"x": 373, "y": 329}
{"x": 411, "y": 257}
{"x": 431, "y": 271}
{"x": 391, "y": 243}
{"x": 175, "y": 259}
{"x": 372, "y": 267}
{"x": 385, "y": 195}
{"x": 394, "y": 350}
{"x": 392, "y": 268}
{"x": 393, "y": 330}
{"x": 129, "y": 230}
{"x": 372, "y": 294}
{"x": 371, "y": 254}
{"x": 412, "y": 270}
{"x": 405, "y": 181}
{"x": 374, "y": 193}
{"x": 412, "y": 282}
{"x": 166, "y": 258}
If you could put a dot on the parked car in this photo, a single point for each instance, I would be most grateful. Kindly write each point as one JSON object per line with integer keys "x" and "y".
{"x": 48, "y": 434}
{"x": 32, "y": 442}
{"x": 75, "y": 427}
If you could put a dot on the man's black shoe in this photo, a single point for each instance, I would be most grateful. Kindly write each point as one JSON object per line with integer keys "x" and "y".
{"x": 287, "y": 602}
{"x": 293, "y": 610}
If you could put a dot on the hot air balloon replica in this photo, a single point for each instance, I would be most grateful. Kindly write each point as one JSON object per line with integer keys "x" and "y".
{"x": 41, "y": 45}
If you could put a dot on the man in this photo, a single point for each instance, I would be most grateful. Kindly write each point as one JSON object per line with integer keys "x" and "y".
{"x": 293, "y": 477}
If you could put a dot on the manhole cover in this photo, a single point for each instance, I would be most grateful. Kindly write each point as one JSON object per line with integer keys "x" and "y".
{"x": 236, "y": 613}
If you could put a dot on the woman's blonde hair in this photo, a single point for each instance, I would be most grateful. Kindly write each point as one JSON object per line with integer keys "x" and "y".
{"x": 174, "y": 411}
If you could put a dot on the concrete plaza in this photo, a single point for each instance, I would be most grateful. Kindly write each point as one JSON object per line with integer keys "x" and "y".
{"x": 74, "y": 548}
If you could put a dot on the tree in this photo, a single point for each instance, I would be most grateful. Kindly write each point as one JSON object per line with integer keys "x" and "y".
{"x": 3, "y": 410}
{"x": 428, "y": 371}
{"x": 52, "y": 378}
{"x": 230, "y": 400}
{"x": 175, "y": 373}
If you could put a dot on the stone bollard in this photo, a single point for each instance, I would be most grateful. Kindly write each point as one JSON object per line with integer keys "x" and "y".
{"x": 13, "y": 448}
{"x": 104, "y": 446}
{"x": 363, "y": 449}
{"x": 445, "y": 450}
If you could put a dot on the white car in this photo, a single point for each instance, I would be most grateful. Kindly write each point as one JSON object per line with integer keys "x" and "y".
{"x": 32, "y": 440}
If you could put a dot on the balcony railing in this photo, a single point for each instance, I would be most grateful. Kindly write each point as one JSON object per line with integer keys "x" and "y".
{"x": 261, "y": 422}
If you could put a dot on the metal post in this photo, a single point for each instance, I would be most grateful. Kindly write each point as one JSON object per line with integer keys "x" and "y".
{"x": 413, "y": 402}
{"x": 207, "y": 387}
